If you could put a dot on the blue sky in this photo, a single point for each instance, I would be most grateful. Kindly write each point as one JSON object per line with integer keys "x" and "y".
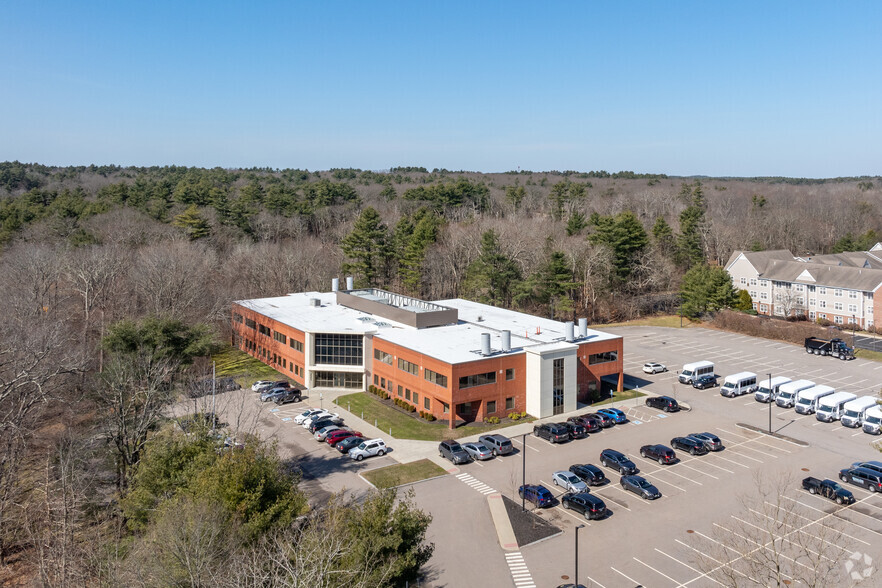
{"x": 683, "y": 88}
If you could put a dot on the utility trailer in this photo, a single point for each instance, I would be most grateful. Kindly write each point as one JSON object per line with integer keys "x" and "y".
{"x": 834, "y": 347}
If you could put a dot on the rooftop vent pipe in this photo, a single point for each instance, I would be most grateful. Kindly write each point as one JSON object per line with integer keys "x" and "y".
{"x": 350, "y": 285}
{"x": 583, "y": 327}
{"x": 485, "y": 344}
{"x": 335, "y": 284}
{"x": 570, "y": 331}
{"x": 506, "y": 341}
{"x": 315, "y": 302}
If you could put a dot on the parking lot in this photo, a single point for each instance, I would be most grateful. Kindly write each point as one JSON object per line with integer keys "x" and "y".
{"x": 648, "y": 543}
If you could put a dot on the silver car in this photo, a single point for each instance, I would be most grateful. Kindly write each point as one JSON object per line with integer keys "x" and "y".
{"x": 569, "y": 482}
{"x": 322, "y": 434}
{"x": 478, "y": 451}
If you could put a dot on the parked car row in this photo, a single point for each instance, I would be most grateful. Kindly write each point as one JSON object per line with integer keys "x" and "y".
{"x": 278, "y": 391}
{"x": 579, "y": 427}
{"x": 328, "y": 427}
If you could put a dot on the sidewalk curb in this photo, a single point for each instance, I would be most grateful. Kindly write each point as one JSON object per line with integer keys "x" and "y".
{"x": 504, "y": 530}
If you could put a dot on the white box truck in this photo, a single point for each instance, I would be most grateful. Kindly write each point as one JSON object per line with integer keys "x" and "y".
{"x": 738, "y": 384}
{"x": 787, "y": 392}
{"x": 873, "y": 420}
{"x": 856, "y": 411}
{"x": 767, "y": 390}
{"x": 807, "y": 400}
{"x": 692, "y": 371}
{"x": 832, "y": 407}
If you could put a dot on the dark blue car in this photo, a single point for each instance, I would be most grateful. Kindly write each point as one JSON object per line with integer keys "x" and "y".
{"x": 615, "y": 414}
{"x": 538, "y": 495}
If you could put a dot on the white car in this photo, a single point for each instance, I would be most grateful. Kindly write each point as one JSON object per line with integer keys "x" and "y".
{"x": 569, "y": 482}
{"x": 322, "y": 433}
{"x": 368, "y": 448}
{"x": 323, "y": 414}
{"x": 260, "y": 385}
{"x": 654, "y": 368}
{"x": 306, "y": 414}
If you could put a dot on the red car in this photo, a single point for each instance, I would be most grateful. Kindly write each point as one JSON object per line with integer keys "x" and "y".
{"x": 335, "y": 437}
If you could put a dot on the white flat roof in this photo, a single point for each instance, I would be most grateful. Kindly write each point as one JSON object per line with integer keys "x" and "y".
{"x": 455, "y": 343}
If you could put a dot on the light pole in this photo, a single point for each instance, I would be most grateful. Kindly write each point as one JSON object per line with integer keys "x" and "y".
{"x": 524, "y": 473}
{"x": 852, "y": 330}
{"x": 576, "y": 575}
{"x": 770, "y": 404}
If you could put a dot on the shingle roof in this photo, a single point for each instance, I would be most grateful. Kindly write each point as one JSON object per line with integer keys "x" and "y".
{"x": 837, "y": 270}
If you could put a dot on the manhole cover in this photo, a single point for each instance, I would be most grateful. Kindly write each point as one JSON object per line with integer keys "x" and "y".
{"x": 785, "y": 582}
{"x": 564, "y": 577}
{"x": 689, "y": 531}
{"x": 805, "y": 469}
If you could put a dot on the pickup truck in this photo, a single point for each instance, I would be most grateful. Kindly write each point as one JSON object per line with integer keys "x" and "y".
{"x": 828, "y": 489}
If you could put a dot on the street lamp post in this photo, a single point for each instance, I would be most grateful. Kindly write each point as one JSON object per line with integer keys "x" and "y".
{"x": 770, "y": 404}
{"x": 576, "y": 575}
{"x": 853, "y": 324}
{"x": 524, "y": 472}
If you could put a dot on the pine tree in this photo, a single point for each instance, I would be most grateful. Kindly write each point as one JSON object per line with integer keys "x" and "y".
{"x": 366, "y": 246}
{"x": 690, "y": 241}
{"x": 706, "y": 289}
{"x": 493, "y": 277}
{"x": 624, "y": 235}
{"x": 663, "y": 237}
{"x": 191, "y": 220}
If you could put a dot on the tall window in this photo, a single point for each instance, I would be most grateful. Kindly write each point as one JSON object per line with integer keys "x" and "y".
{"x": 337, "y": 380}
{"x": 427, "y": 403}
{"x": 381, "y": 355}
{"x": 491, "y": 407}
{"x": 557, "y": 386}
{"x": 509, "y": 374}
{"x": 509, "y": 403}
{"x": 338, "y": 349}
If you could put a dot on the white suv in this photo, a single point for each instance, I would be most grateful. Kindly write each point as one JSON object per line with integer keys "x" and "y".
{"x": 368, "y": 448}
{"x": 654, "y": 368}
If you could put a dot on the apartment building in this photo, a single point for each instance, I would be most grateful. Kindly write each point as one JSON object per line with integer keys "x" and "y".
{"x": 840, "y": 287}
{"x": 456, "y": 359}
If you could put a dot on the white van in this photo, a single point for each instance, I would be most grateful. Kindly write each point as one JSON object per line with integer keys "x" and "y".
{"x": 807, "y": 400}
{"x": 767, "y": 390}
{"x": 787, "y": 393}
{"x": 832, "y": 407}
{"x": 693, "y": 371}
{"x": 738, "y": 384}
{"x": 856, "y": 411}
{"x": 873, "y": 420}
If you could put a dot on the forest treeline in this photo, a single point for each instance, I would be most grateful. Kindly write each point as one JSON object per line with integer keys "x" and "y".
{"x": 117, "y": 281}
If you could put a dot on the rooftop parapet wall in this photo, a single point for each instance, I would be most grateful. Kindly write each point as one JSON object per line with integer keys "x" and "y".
{"x": 401, "y": 309}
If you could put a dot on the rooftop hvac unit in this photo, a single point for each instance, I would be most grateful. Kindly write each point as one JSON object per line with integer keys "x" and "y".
{"x": 506, "y": 341}
{"x": 569, "y": 331}
{"x": 485, "y": 344}
{"x": 315, "y": 302}
{"x": 335, "y": 284}
{"x": 583, "y": 327}
{"x": 350, "y": 284}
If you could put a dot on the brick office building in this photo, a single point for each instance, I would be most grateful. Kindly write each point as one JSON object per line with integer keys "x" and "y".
{"x": 451, "y": 356}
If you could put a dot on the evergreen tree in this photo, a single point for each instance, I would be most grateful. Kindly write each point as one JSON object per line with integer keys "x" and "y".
{"x": 366, "y": 246}
{"x": 515, "y": 195}
{"x": 744, "y": 302}
{"x": 552, "y": 285}
{"x": 493, "y": 276}
{"x": 192, "y": 222}
{"x": 563, "y": 192}
{"x": 576, "y": 223}
{"x": 389, "y": 193}
{"x": 706, "y": 289}
{"x": 690, "y": 241}
{"x": 624, "y": 235}
{"x": 663, "y": 237}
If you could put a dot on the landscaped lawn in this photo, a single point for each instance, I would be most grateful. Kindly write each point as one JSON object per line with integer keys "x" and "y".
{"x": 404, "y": 473}
{"x": 651, "y": 321}
{"x": 405, "y": 426}
{"x": 617, "y": 397}
{"x": 233, "y": 362}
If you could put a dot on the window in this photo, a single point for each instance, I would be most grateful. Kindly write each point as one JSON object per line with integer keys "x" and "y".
{"x": 509, "y": 375}
{"x": 822, "y": 303}
{"x": 465, "y": 408}
{"x": 838, "y": 320}
{"x": 408, "y": 367}
{"x": 753, "y": 294}
{"x": 798, "y": 287}
{"x": 509, "y": 403}
{"x": 381, "y": 355}
{"x": 837, "y": 292}
{"x": 779, "y": 311}
{"x": 811, "y": 301}
{"x": 400, "y": 391}
{"x": 869, "y": 295}
{"x": 435, "y": 377}
{"x": 822, "y": 290}
{"x": 822, "y": 316}
{"x": 764, "y": 283}
{"x": 603, "y": 357}
{"x": 743, "y": 281}
{"x": 812, "y": 315}
{"x": 777, "y": 296}
{"x": 284, "y": 363}
{"x": 491, "y": 407}
{"x": 753, "y": 281}
{"x": 237, "y": 317}
{"x": 852, "y": 294}
{"x": 337, "y": 380}
{"x": 296, "y": 345}
{"x": 869, "y": 310}
{"x": 800, "y": 300}
{"x": 445, "y": 408}
{"x": 427, "y": 404}
{"x": 376, "y": 380}
{"x": 477, "y": 380}
{"x": 764, "y": 295}
{"x": 852, "y": 308}
{"x": 281, "y": 338}
{"x": 754, "y": 305}
{"x": 557, "y": 386}
{"x": 416, "y": 398}
{"x": 263, "y": 330}
{"x": 837, "y": 306}
{"x": 389, "y": 385}
{"x": 338, "y": 349}
{"x": 407, "y": 393}
{"x": 250, "y": 323}
{"x": 382, "y": 382}
{"x": 811, "y": 289}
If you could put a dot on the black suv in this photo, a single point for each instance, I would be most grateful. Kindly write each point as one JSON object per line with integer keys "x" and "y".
{"x": 292, "y": 395}
{"x": 664, "y": 455}
{"x": 691, "y": 444}
{"x": 705, "y": 381}
{"x": 576, "y": 431}
{"x": 552, "y": 432}
{"x": 610, "y": 458}
{"x": 590, "y": 506}
{"x": 322, "y": 423}
{"x": 606, "y": 421}
{"x": 591, "y": 424}
{"x": 665, "y": 403}
{"x": 454, "y": 452}
{"x": 590, "y": 474}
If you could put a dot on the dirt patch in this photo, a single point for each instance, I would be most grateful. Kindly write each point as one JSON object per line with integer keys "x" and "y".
{"x": 528, "y": 527}
{"x": 755, "y": 429}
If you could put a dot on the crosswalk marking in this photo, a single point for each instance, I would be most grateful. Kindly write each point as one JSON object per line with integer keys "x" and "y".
{"x": 478, "y": 485}
{"x": 520, "y": 575}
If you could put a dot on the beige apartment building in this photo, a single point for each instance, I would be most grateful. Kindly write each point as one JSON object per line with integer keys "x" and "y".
{"x": 839, "y": 287}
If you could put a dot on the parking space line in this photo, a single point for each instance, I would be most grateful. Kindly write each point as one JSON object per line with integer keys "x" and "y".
{"x": 733, "y": 434}
{"x": 702, "y": 554}
{"x": 632, "y": 580}
{"x": 751, "y": 458}
{"x": 581, "y": 520}
{"x": 796, "y": 514}
{"x": 795, "y": 530}
{"x": 699, "y": 471}
{"x": 760, "y": 545}
{"x": 683, "y": 564}
{"x": 838, "y": 511}
{"x": 593, "y": 581}
{"x": 656, "y": 571}
{"x": 658, "y": 472}
{"x": 518, "y": 441}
